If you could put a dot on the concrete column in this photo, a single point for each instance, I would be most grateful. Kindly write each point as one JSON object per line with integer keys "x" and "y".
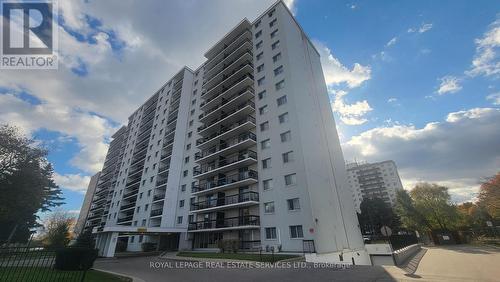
{"x": 111, "y": 240}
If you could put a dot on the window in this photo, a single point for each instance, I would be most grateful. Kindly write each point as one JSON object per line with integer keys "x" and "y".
{"x": 263, "y": 109}
{"x": 281, "y": 100}
{"x": 277, "y": 57}
{"x": 261, "y": 81}
{"x": 288, "y": 157}
{"x": 274, "y": 33}
{"x": 258, "y": 34}
{"x": 146, "y": 207}
{"x": 275, "y": 45}
{"x": 269, "y": 207}
{"x": 151, "y": 179}
{"x": 190, "y": 123}
{"x": 141, "y": 237}
{"x": 193, "y": 102}
{"x": 267, "y": 184}
{"x": 260, "y": 68}
{"x": 192, "y": 113}
{"x": 179, "y": 220}
{"x": 266, "y": 163}
{"x": 270, "y": 233}
{"x": 286, "y": 136}
{"x": 293, "y": 204}
{"x": 265, "y": 144}
{"x": 264, "y": 126}
{"x": 280, "y": 85}
{"x": 272, "y": 23}
{"x": 143, "y": 222}
{"x": 188, "y": 146}
{"x": 259, "y": 56}
{"x": 186, "y": 160}
{"x": 149, "y": 193}
{"x": 283, "y": 118}
{"x": 185, "y": 173}
{"x": 258, "y": 45}
{"x": 271, "y": 13}
{"x": 290, "y": 179}
{"x": 296, "y": 231}
{"x": 190, "y": 134}
{"x": 181, "y": 203}
{"x": 183, "y": 187}
{"x": 132, "y": 239}
{"x": 257, "y": 24}
{"x": 261, "y": 94}
{"x": 278, "y": 70}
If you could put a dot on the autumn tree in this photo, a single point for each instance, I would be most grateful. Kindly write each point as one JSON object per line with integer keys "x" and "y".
{"x": 57, "y": 230}
{"x": 26, "y": 184}
{"x": 489, "y": 196}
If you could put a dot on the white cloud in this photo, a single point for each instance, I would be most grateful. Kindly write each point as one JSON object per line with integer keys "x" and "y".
{"x": 486, "y": 61}
{"x": 423, "y": 28}
{"x": 350, "y": 114}
{"x": 73, "y": 182}
{"x": 336, "y": 73}
{"x": 449, "y": 84}
{"x": 392, "y": 100}
{"x": 494, "y": 98}
{"x": 459, "y": 150}
{"x": 392, "y": 41}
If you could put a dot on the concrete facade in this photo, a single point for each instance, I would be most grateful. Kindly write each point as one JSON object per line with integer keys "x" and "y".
{"x": 87, "y": 201}
{"x": 244, "y": 148}
{"x": 369, "y": 180}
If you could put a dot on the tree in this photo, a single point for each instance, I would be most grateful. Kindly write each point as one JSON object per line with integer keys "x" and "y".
{"x": 472, "y": 216}
{"x": 489, "y": 196}
{"x": 410, "y": 217}
{"x": 26, "y": 185}
{"x": 433, "y": 202}
{"x": 57, "y": 230}
{"x": 375, "y": 213}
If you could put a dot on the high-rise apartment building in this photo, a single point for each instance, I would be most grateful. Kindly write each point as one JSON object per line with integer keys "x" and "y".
{"x": 242, "y": 149}
{"x": 373, "y": 180}
{"x": 87, "y": 201}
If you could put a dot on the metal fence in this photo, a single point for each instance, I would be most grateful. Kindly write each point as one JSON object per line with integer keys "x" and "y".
{"x": 28, "y": 264}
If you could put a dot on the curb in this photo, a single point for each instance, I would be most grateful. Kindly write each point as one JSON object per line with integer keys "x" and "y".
{"x": 134, "y": 279}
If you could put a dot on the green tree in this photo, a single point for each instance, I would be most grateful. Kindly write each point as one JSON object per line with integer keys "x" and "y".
{"x": 410, "y": 217}
{"x": 57, "y": 230}
{"x": 26, "y": 184}
{"x": 434, "y": 203}
{"x": 376, "y": 213}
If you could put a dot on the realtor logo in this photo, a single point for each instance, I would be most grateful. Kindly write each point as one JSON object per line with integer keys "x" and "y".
{"x": 29, "y": 35}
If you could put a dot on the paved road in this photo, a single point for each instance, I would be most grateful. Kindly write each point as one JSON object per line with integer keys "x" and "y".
{"x": 455, "y": 263}
{"x": 140, "y": 267}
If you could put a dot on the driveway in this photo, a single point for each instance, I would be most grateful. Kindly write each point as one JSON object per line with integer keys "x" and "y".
{"x": 454, "y": 263}
{"x": 140, "y": 267}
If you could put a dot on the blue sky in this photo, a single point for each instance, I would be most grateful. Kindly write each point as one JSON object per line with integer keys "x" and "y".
{"x": 412, "y": 81}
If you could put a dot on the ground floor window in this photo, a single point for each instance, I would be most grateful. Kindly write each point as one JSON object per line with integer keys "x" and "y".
{"x": 207, "y": 240}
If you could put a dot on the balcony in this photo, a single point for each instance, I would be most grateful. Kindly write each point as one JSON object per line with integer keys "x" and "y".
{"x": 233, "y": 201}
{"x": 156, "y": 212}
{"x": 227, "y": 146}
{"x": 243, "y": 125}
{"x": 240, "y": 222}
{"x": 224, "y": 43}
{"x": 224, "y": 119}
{"x": 245, "y": 82}
{"x": 235, "y": 77}
{"x": 228, "y": 65}
{"x": 229, "y": 103}
{"x": 226, "y": 182}
{"x": 158, "y": 197}
{"x": 161, "y": 182}
{"x": 240, "y": 39}
{"x": 124, "y": 219}
{"x": 231, "y": 162}
{"x": 133, "y": 192}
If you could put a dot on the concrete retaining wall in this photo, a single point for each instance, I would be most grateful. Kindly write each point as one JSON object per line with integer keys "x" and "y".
{"x": 402, "y": 255}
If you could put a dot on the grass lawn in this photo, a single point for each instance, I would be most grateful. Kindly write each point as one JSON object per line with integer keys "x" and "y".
{"x": 43, "y": 274}
{"x": 238, "y": 256}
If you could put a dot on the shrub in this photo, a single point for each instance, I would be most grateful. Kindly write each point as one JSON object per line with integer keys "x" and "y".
{"x": 148, "y": 247}
{"x": 75, "y": 258}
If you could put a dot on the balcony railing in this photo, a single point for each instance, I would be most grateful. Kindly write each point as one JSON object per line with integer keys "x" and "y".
{"x": 127, "y": 206}
{"x": 223, "y": 130}
{"x": 224, "y": 102}
{"x": 224, "y": 115}
{"x": 156, "y": 212}
{"x": 233, "y": 178}
{"x": 248, "y": 220}
{"x": 161, "y": 182}
{"x": 127, "y": 218}
{"x": 230, "y": 77}
{"x": 228, "y": 160}
{"x": 225, "y": 144}
{"x": 158, "y": 197}
{"x": 228, "y": 200}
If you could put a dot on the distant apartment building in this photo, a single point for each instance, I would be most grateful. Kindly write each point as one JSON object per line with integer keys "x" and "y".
{"x": 84, "y": 211}
{"x": 373, "y": 180}
{"x": 242, "y": 148}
